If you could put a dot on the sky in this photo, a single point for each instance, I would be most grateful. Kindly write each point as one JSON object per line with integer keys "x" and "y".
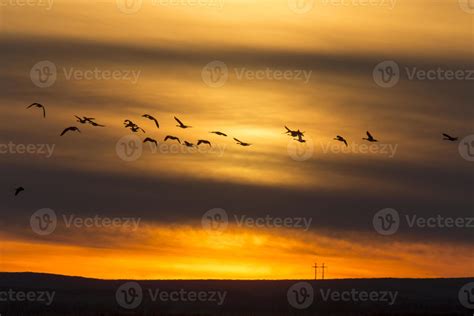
{"x": 246, "y": 68}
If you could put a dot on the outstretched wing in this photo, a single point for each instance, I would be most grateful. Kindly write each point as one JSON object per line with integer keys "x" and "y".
{"x": 67, "y": 129}
{"x": 44, "y": 111}
{"x": 369, "y": 135}
{"x": 237, "y": 140}
{"x": 179, "y": 122}
{"x": 156, "y": 122}
{"x": 446, "y": 135}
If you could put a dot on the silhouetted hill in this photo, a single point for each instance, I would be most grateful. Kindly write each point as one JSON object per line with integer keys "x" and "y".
{"x": 45, "y": 294}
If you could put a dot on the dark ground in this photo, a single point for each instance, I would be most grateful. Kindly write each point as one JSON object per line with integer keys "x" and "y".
{"x": 80, "y": 296}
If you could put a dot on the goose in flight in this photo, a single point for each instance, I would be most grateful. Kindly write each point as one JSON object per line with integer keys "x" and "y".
{"x": 218, "y": 133}
{"x": 341, "y": 139}
{"x": 39, "y": 106}
{"x": 181, "y": 124}
{"x": 203, "y": 141}
{"x": 241, "y": 143}
{"x": 19, "y": 190}
{"x": 370, "y": 138}
{"x": 188, "y": 144}
{"x": 133, "y": 127}
{"x": 172, "y": 138}
{"x": 294, "y": 133}
{"x": 148, "y": 116}
{"x": 151, "y": 140}
{"x": 81, "y": 120}
{"x": 450, "y": 138}
{"x": 70, "y": 129}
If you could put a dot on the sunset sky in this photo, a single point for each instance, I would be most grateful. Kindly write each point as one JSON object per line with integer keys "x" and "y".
{"x": 163, "y": 49}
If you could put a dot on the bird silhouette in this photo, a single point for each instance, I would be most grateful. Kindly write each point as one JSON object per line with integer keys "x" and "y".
{"x": 70, "y": 129}
{"x": 151, "y": 140}
{"x": 370, "y": 138}
{"x": 203, "y": 141}
{"x": 133, "y": 127}
{"x": 19, "y": 190}
{"x": 294, "y": 133}
{"x": 450, "y": 138}
{"x": 341, "y": 139}
{"x": 81, "y": 119}
{"x": 219, "y": 133}
{"x": 188, "y": 144}
{"x": 181, "y": 124}
{"x": 172, "y": 138}
{"x": 148, "y": 116}
{"x": 39, "y": 106}
{"x": 241, "y": 143}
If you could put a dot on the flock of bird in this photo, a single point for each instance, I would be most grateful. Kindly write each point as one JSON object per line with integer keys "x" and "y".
{"x": 296, "y": 134}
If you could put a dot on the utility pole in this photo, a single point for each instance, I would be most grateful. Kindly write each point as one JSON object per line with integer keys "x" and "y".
{"x": 322, "y": 268}
{"x": 315, "y": 271}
